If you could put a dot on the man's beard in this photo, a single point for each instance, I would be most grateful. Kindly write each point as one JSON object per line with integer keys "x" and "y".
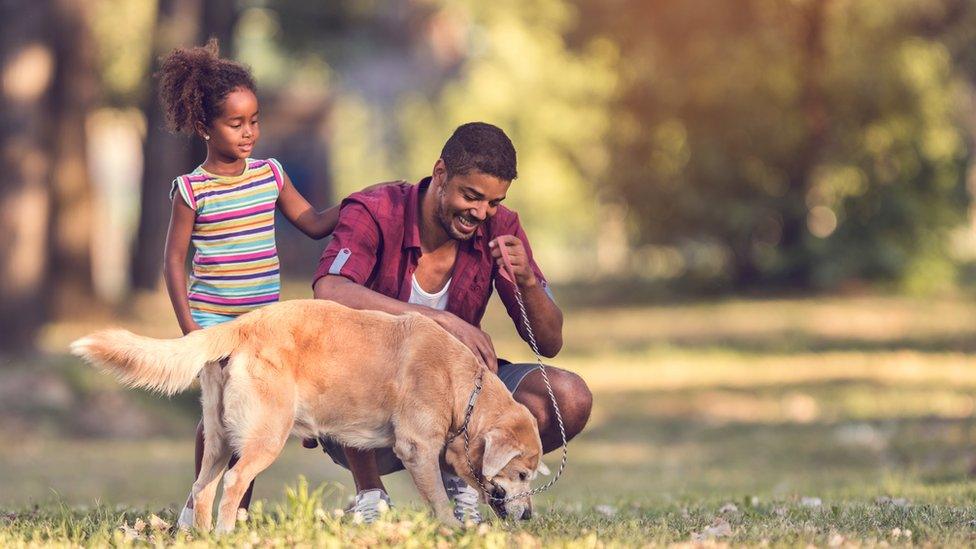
{"x": 447, "y": 220}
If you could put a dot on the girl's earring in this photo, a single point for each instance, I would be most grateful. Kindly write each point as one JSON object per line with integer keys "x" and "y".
{"x": 207, "y": 137}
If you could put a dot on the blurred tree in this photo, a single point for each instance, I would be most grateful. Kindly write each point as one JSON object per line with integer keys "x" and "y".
{"x": 27, "y": 61}
{"x": 410, "y": 72}
{"x": 804, "y": 143}
{"x": 179, "y": 23}
{"x": 74, "y": 92}
{"x": 49, "y": 88}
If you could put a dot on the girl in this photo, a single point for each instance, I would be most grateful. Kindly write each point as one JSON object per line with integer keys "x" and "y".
{"x": 226, "y": 206}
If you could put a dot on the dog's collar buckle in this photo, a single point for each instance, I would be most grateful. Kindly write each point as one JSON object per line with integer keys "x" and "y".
{"x": 474, "y": 396}
{"x": 478, "y": 382}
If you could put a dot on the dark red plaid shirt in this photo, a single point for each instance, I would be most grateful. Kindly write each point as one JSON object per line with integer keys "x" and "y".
{"x": 377, "y": 244}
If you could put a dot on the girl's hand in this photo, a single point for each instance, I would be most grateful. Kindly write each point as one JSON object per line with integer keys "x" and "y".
{"x": 316, "y": 224}
{"x": 375, "y": 186}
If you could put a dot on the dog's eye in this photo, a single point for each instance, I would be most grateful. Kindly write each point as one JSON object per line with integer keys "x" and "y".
{"x": 523, "y": 476}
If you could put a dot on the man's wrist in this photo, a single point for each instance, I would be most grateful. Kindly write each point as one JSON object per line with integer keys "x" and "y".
{"x": 438, "y": 316}
{"x": 529, "y": 283}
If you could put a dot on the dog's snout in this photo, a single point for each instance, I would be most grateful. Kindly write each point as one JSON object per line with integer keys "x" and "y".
{"x": 527, "y": 514}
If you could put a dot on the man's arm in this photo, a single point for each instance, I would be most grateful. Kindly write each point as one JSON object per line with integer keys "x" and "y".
{"x": 544, "y": 315}
{"x": 346, "y": 292}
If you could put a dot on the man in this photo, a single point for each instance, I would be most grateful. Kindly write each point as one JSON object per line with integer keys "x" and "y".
{"x": 433, "y": 248}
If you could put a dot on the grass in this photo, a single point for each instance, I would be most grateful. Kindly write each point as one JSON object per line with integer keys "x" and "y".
{"x": 790, "y": 422}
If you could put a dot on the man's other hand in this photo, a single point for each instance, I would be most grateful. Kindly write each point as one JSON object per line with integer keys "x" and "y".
{"x": 478, "y": 341}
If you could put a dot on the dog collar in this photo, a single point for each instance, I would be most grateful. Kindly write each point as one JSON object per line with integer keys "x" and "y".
{"x": 478, "y": 381}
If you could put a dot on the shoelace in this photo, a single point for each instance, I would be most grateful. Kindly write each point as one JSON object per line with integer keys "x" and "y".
{"x": 466, "y": 502}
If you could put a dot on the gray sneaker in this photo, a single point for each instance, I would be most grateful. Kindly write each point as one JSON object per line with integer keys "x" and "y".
{"x": 369, "y": 505}
{"x": 466, "y": 499}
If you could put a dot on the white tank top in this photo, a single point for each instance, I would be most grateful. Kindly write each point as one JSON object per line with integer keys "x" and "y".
{"x": 435, "y": 301}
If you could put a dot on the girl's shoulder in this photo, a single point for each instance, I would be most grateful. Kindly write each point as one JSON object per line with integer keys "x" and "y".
{"x": 272, "y": 164}
{"x": 187, "y": 186}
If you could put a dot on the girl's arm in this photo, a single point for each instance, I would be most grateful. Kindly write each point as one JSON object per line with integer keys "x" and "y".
{"x": 301, "y": 214}
{"x": 174, "y": 262}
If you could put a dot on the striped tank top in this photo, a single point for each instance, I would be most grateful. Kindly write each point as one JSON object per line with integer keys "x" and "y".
{"x": 235, "y": 266}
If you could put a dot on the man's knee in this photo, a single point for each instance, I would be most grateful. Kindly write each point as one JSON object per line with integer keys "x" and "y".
{"x": 575, "y": 401}
{"x": 572, "y": 394}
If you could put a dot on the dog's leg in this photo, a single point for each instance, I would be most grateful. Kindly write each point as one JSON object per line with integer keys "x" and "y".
{"x": 216, "y": 451}
{"x": 421, "y": 459}
{"x": 260, "y": 430}
{"x": 255, "y": 457}
{"x": 216, "y": 454}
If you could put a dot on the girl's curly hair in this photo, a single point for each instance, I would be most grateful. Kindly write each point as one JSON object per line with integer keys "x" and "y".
{"x": 193, "y": 83}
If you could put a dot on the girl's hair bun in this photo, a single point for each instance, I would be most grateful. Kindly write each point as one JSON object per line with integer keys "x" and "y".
{"x": 193, "y": 83}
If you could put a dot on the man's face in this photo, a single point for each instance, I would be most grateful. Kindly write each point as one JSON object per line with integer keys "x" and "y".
{"x": 466, "y": 201}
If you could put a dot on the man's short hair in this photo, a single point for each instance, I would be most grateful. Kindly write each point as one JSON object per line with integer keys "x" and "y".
{"x": 482, "y": 147}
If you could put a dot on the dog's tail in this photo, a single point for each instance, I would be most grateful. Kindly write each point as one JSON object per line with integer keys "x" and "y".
{"x": 167, "y": 366}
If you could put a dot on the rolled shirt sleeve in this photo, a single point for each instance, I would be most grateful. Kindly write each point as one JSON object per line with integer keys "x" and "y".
{"x": 353, "y": 250}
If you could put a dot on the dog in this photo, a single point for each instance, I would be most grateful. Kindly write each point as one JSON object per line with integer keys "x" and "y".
{"x": 314, "y": 368}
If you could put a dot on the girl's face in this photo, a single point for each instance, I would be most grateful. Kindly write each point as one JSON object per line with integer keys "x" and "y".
{"x": 234, "y": 133}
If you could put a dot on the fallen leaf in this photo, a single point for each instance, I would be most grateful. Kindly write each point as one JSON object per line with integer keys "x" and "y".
{"x": 720, "y": 528}
{"x": 129, "y": 532}
{"x": 157, "y": 523}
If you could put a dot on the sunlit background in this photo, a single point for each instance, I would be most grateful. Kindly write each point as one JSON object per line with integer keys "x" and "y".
{"x": 757, "y": 216}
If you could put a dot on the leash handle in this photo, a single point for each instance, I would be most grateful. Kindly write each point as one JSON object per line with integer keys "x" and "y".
{"x": 506, "y": 271}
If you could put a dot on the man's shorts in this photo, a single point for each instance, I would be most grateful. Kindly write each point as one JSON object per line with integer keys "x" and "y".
{"x": 387, "y": 462}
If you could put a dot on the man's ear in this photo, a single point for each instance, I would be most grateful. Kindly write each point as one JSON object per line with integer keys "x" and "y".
{"x": 542, "y": 469}
{"x": 499, "y": 450}
{"x": 439, "y": 174}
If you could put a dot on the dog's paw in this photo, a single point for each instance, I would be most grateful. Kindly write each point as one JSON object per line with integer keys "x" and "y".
{"x": 448, "y": 519}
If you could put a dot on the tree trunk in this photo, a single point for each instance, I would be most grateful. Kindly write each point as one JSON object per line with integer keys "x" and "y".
{"x": 27, "y": 62}
{"x": 180, "y": 23}
{"x": 165, "y": 155}
{"x": 813, "y": 106}
{"x": 75, "y": 90}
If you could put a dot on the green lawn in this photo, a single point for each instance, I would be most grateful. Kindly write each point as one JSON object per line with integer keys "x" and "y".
{"x": 827, "y": 421}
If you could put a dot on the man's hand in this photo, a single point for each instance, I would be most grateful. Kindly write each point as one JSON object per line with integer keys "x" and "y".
{"x": 476, "y": 340}
{"x": 519, "y": 259}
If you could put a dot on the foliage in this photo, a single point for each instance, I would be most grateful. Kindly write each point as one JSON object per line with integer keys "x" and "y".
{"x": 444, "y": 63}
{"x": 808, "y": 143}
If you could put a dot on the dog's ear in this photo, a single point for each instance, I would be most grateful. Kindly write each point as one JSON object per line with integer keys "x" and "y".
{"x": 542, "y": 469}
{"x": 499, "y": 450}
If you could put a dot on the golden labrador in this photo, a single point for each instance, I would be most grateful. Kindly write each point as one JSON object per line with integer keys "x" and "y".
{"x": 316, "y": 368}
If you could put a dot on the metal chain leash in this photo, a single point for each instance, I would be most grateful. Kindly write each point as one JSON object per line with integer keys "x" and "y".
{"x": 552, "y": 398}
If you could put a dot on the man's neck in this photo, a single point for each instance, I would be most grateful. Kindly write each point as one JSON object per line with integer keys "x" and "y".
{"x": 432, "y": 235}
